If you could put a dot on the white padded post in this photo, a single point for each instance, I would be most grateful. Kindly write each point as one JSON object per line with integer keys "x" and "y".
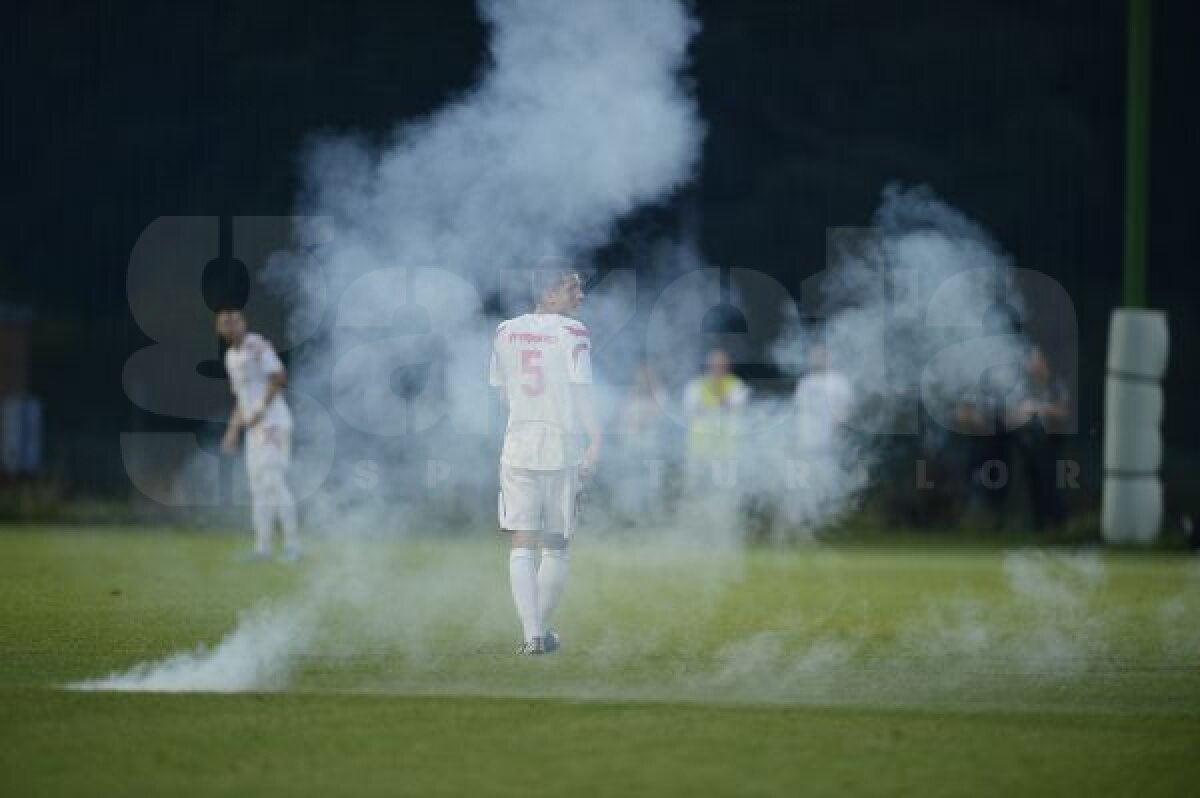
{"x": 1133, "y": 509}
{"x": 1133, "y": 413}
{"x": 1138, "y": 343}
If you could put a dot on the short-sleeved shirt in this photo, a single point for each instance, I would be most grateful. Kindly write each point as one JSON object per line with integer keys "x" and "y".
{"x": 250, "y": 367}
{"x": 537, "y": 359}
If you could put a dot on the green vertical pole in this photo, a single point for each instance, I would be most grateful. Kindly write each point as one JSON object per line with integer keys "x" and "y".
{"x": 1137, "y": 141}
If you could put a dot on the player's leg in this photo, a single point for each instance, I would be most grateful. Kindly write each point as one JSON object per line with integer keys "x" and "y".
{"x": 285, "y": 505}
{"x": 552, "y": 581}
{"x": 261, "y": 512}
{"x": 523, "y": 579}
{"x": 520, "y": 504}
{"x": 561, "y": 493}
{"x": 274, "y": 501}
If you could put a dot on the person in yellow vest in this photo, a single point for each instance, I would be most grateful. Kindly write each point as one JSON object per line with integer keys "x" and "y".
{"x": 712, "y": 403}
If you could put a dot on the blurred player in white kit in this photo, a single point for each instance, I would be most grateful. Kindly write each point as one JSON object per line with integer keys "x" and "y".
{"x": 542, "y": 363}
{"x": 257, "y": 379}
{"x": 824, "y": 402}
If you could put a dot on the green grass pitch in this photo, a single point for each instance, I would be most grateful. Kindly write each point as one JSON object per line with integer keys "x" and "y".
{"x": 387, "y": 669}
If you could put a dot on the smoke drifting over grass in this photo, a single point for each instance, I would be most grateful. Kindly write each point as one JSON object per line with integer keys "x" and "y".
{"x": 259, "y": 654}
{"x": 1052, "y": 624}
{"x": 818, "y": 626}
{"x": 1179, "y": 621}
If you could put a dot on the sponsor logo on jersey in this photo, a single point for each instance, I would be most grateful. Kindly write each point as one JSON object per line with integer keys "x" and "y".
{"x": 531, "y": 338}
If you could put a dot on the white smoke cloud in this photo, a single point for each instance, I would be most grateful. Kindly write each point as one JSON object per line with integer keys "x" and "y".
{"x": 580, "y": 117}
{"x": 917, "y": 313}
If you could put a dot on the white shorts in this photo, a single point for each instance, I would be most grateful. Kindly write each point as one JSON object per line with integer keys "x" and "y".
{"x": 268, "y": 451}
{"x": 538, "y": 501}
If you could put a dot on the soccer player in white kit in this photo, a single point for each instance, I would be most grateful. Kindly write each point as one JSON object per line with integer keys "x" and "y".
{"x": 542, "y": 363}
{"x": 257, "y": 379}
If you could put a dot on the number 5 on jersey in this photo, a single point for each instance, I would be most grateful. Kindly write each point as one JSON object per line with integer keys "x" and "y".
{"x": 534, "y": 375}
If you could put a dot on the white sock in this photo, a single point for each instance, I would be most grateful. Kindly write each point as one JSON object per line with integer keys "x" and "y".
{"x": 522, "y": 575}
{"x": 552, "y": 579}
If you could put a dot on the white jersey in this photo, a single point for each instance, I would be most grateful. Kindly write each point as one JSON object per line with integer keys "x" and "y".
{"x": 249, "y": 367}
{"x": 536, "y": 359}
{"x": 824, "y": 401}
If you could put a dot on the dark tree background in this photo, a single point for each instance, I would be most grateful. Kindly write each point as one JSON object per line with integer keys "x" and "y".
{"x": 120, "y": 112}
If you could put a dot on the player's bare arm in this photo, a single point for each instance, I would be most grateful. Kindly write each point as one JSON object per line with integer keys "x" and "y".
{"x": 229, "y": 443}
{"x": 275, "y": 384}
{"x": 591, "y": 427}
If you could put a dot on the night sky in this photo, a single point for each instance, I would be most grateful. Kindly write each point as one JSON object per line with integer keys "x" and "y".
{"x": 120, "y": 112}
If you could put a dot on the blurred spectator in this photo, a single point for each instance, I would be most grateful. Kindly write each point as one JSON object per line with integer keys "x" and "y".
{"x": 712, "y": 404}
{"x": 1037, "y": 420}
{"x": 638, "y": 486}
{"x": 21, "y": 420}
{"x": 823, "y": 398}
{"x": 984, "y": 418}
{"x": 819, "y": 480}
{"x": 1030, "y": 423}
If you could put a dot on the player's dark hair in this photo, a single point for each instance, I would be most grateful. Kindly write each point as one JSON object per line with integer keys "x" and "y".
{"x": 549, "y": 273}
